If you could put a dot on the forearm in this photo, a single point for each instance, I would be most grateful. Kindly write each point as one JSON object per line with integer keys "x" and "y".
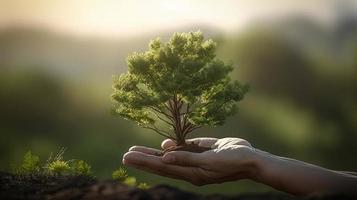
{"x": 300, "y": 178}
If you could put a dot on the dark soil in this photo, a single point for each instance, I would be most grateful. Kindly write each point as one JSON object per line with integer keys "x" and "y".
{"x": 78, "y": 187}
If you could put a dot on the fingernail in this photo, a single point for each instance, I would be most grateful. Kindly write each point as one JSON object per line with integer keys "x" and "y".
{"x": 132, "y": 148}
{"x": 168, "y": 158}
{"x": 126, "y": 156}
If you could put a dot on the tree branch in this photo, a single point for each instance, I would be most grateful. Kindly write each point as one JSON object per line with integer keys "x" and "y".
{"x": 162, "y": 119}
{"x": 160, "y": 111}
{"x": 191, "y": 128}
{"x": 188, "y": 111}
{"x": 160, "y": 132}
{"x": 167, "y": 107}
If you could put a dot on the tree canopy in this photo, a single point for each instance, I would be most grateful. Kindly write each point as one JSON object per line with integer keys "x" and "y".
{"x": 176, "y": 87}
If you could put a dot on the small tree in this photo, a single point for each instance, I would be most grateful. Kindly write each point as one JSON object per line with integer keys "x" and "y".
{"x": 177, "y": 87}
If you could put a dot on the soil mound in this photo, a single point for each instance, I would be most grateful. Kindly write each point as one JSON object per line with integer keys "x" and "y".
{"x": 78, "y": 187}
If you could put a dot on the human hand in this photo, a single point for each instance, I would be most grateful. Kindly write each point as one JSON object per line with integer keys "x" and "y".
{"x": 230, "y": 159}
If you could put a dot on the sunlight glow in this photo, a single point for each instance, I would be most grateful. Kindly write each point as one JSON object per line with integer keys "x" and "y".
{"x": 127, "y": 17}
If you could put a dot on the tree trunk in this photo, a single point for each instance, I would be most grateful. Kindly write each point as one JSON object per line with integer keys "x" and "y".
{"x": 181, "y": 141}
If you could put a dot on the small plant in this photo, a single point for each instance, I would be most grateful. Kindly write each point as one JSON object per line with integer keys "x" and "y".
{"x": 30, "y": 164}
{"x": 177, "y": 87}
{"x": 80, "y": 167}
{"x": 54, "y": 166}
{"x": 130, "y": 181}
{"x": 59, "y": 167}
{"x": 121, "y": 175}
{"x": 143, "y": 186}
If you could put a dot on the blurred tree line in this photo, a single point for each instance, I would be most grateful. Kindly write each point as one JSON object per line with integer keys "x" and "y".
{"x": 304, "y": 87}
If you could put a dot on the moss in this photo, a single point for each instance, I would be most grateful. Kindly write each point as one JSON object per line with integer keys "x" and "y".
{"x": 143, "y": 186}
{"x": 59, "y": 167}
{"x": 54, "y": 166}
{"x": 30, "y": 164}
{"x": 80, "y": 167}
{"x": 121, "y": 175}
{"x": 130, "y": 181}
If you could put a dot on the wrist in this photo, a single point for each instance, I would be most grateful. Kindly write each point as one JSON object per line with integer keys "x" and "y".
{"x": 259, "y": 161}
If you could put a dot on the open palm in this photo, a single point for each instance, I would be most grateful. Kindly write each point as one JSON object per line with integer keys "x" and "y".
{"x": 229, "y": 160}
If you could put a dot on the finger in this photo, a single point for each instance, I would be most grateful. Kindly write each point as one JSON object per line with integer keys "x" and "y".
{"x": 167, "y": 144}
{"x": 184, "y": 158}
{"x": 203, "y": 141}
{"x": 154, "y": 164}
{"x": 230, "y": 141}
{"x": 146, "y": 150}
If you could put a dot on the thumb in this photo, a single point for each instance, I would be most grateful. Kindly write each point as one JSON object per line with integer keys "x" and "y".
{"x": 183, "y": 158}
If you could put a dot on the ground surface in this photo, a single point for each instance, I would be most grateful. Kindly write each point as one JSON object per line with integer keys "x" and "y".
{"x": 14, "y": 187}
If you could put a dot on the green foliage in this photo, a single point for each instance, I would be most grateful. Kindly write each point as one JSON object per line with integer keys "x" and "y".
{"x": 30, "y": 164}
{"x": 80, "y": 167}
{"x": 279, "y": 89}
{"x": 119, "y": 174}
{"x": 143, "y": 186}
{"x": 53, "y": 166}
{"x": 59, "y": 167}
{"x": 130, "y": 181}
{"x": 180, "y": 82}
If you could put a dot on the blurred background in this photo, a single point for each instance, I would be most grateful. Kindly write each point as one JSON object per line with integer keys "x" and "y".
{"x": 57, "y": 59}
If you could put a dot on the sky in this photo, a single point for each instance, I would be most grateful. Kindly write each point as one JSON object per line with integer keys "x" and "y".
{"x": 128, "y": 17}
